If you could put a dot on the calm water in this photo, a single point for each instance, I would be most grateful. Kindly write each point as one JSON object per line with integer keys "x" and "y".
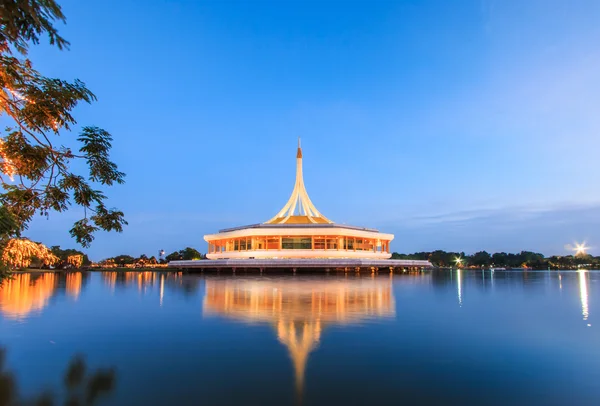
{"x": 442, "y": 338}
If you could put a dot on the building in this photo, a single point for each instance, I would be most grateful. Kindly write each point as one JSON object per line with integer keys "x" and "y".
{"x": 299, "y": 230}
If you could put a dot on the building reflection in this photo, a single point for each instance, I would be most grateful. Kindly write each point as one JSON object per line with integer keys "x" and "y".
{"x": 299, "y": 309}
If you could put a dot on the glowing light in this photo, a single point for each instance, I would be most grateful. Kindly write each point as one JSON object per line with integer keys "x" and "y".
{"x": 581, "y": 249}
{"x": 583, "y": 294}
{"x": 19, "y": 252}
{"x": 6, "y": 166}
{"x": 458, "y": 261}
{"x": 23, "y": 294}
{"x": 73, "y": 286}
{"x": 75, "y": 260}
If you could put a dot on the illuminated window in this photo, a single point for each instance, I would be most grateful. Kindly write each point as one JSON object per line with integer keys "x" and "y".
{"x": 319, "y": 243}
{"x": 332, "y": 243}
{"x": 272, "y": 243}
{"x": 296, "y": 243}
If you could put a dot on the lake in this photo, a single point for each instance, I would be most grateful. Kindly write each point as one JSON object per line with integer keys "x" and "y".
{"x": 427, "y": 338}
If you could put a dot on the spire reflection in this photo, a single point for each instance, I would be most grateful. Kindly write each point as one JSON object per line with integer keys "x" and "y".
{"x": 299, "y": 309}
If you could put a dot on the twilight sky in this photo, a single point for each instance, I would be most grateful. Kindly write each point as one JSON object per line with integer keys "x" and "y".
{"x": 462, "y": 125}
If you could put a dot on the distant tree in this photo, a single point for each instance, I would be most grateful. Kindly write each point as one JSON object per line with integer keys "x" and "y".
{"x": 122, "y": 260}
{"x": 190, "y": 253}
{"x": 500, "y": 259}
{"x": 481, "y": 258}
{"x": 64, "y": 256}
{"x": 185, "y": 254}
{"x": 174, "y": 256}
{"x": 36, "y": 172}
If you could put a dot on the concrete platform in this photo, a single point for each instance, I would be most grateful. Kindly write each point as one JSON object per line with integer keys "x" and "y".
{"x": 297, "y": 264}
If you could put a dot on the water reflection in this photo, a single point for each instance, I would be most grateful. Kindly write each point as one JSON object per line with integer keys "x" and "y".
{"x": 459, "y": 286}
{"x": 299, "y": 309}
{"x": 144, "y": 280}
{"x": 74, "y": 284}
{"x": 26, "y": 293}
{"x": 583, "y": 294}
{"x": 80, "y": 386}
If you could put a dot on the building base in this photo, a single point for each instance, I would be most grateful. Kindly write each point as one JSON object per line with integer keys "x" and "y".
{"x": 325, "y": 264}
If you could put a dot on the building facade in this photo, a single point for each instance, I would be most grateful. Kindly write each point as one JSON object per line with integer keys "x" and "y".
{"x": 299, "y": 230}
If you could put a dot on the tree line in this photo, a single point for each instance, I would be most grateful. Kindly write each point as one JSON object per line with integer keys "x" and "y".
{"x": 483, "y": 259}
{"x": 187, "y": 253}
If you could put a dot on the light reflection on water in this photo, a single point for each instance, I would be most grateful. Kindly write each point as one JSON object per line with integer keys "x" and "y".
{"x": 348, "y": 339}
{"x": 583, "y": 294}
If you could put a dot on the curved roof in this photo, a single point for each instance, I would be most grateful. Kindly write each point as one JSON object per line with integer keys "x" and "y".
{"x": 299, "y": 209}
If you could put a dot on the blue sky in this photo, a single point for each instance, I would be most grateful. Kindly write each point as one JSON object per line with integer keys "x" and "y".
{"x": 463, "y": 125}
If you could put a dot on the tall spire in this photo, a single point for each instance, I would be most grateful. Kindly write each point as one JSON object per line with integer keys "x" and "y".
{"x": 299, "y": 200}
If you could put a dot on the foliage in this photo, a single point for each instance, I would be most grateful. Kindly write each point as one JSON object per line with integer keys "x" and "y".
{"x": 20, "y": 252}
{"x": 524, "y": 259}
{"x": 185, "y": 254}
{"x": 35, "y": 169}
{"x": 64, "y": 256}
{"x": 81, "y": 386}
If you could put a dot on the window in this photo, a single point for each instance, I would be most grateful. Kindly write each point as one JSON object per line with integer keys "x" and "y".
{"x": 272, "y": 243}
{"x": 349, "y": 243}
{"x": 332, "y": 243}
{"x": 319, "y": 243}
{"x": 359, "y": 244}
{"x": 296, "y": 243}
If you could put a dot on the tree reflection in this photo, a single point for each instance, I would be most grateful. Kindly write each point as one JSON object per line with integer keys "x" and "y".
{"x": 80, "y": 386}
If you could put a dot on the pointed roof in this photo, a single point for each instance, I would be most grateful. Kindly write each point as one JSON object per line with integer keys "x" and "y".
{"x": 299, "y": 209}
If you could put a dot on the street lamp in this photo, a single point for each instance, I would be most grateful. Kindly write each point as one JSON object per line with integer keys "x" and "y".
{"x": 581, "y": 249}
{"x": 458, "y": 261}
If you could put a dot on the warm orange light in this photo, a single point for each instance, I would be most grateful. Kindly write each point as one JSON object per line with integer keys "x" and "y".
{"x": 19, "y": 252}
{"x": 20, "y": 296}
{"x": 581, "y": 249}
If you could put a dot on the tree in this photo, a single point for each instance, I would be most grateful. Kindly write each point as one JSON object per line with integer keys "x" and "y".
{"x": 20, "y": 252}
{"x": 64, "y": 256}
{"x": 481, "y": 258}
{"x": 35, "y": 169}
{"x": 122, "y": 260}
{"x": 174, "y": 256}
{"x": 186, "y": 254}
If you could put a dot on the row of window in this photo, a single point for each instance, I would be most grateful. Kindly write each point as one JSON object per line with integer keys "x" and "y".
{"x": 299, "y": 243}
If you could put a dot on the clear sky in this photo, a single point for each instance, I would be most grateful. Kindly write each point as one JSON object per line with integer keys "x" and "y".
{"x": 456, "y": 125}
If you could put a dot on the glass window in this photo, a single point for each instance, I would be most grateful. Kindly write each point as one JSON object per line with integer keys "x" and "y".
{"x": 319, "y": 243}
{"x": 349, "y": 243}
{"x": 236, "y": 245}
{"x": 296, "y": 243}
{"x": 332, "y": 243}
{"x": 272, "y": 243}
